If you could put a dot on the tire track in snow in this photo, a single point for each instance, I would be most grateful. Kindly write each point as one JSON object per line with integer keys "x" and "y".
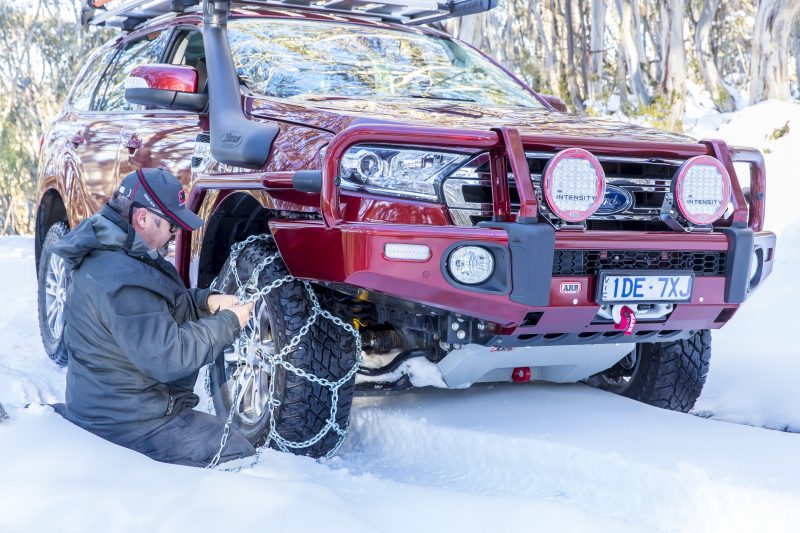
{"x": 605, "y": 454}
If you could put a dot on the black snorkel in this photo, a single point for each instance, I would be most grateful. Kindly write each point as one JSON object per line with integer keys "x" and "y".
{"x": 235, "y": 140}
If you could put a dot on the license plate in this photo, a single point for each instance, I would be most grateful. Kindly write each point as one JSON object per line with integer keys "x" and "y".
{"x": 616, "y": 287}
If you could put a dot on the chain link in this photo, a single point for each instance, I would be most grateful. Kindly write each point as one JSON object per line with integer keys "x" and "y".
{"x": 249, "y": 292}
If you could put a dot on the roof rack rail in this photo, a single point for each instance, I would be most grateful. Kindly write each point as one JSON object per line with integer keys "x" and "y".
{"x": 129, "y": 14}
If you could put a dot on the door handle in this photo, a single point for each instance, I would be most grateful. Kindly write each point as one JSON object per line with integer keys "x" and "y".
{"x": 76, "y": 140}
{"x": 133, "y": 143}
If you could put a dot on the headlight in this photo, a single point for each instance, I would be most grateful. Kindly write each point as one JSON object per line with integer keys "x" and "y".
{"x": 398, "y": 172}
{"x": 574, "y": 184}
{"x": 702, "y": 189}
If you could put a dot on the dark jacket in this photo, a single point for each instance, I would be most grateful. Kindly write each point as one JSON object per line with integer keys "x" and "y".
{"x": 136, "y": 336}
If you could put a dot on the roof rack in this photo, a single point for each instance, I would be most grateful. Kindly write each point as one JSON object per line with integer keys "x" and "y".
{"x": 129, "y": 14}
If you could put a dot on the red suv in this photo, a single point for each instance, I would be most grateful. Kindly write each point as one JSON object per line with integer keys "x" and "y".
{"x": 458, "y": 219}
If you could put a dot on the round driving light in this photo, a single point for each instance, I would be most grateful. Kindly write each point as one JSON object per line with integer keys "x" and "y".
{"x": 574, "y": 184}
{"x": 471, "y": 265}
{"x": 702, "y": 189}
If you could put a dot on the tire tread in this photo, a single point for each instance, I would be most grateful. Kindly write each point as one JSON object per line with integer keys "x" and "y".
{"x": 55, "y": 348}
{"x": 326, "y": 352}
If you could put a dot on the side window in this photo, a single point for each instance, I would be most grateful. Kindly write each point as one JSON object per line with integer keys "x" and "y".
{"x": 189, "y": 51}
{"x": 81, "y": 97}
{"x": 143, "y": 51}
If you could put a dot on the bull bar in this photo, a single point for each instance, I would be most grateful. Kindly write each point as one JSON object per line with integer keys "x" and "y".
{"x": 356, "y": 248}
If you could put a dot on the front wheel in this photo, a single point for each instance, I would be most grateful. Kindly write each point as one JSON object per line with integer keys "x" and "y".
{"x": 327, "y": 351}
{"x": 670, "y": 375}
{"x": 53, "y": 282}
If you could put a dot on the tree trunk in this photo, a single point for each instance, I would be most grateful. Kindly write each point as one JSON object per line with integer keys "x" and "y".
{"x": 584, "y": 48}
{"x": 796, "y": 49}
{"x": 597, "y": 45}
{"x": 622, "y": 76}
{"x": 549, "y": 55}
{"x": 632, "y": 52}
{"x": 649, "y": 24}
{"x": 673, "y": 83}
{"x": 705, "y": 57}
{"x": 769, "y": 57}
{"x": 570, "y": 71}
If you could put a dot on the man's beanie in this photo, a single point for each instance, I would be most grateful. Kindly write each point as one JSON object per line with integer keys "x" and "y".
{"x": 157, "y": 189}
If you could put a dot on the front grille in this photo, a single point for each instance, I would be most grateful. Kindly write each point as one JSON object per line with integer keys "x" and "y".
{"x": 590, "y": 262}
{"x": 645, "y": 181}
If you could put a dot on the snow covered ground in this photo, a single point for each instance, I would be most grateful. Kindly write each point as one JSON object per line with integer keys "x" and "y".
{"x": 507, "y": 458}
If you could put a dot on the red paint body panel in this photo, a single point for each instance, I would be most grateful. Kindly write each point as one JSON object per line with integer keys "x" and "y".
{"x": 365, "y": 207}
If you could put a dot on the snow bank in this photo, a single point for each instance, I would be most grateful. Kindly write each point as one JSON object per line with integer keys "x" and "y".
{"x": 658, "y": 469}
{"x": 26, "y": 374}
{"x": 756, "y": 359}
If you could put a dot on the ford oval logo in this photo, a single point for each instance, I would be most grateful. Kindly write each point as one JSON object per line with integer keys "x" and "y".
{"x": 616, "y": 201}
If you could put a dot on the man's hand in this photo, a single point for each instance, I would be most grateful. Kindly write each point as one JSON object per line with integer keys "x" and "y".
{"x": 232, "y": 303}
{"x": 217, "y": 301}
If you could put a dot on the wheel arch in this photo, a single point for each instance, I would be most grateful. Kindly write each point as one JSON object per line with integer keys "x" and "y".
{"x": 235, "y": 217}
{"x": 51, "y": 209}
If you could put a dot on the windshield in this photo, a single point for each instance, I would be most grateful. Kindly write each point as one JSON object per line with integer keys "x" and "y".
{"x": 287, "y": 58}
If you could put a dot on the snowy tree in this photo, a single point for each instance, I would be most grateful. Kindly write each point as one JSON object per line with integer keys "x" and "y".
{"x": 769, "y": 64}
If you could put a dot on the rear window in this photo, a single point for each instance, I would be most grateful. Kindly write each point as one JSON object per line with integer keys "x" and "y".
{"x": 286, "y": 58}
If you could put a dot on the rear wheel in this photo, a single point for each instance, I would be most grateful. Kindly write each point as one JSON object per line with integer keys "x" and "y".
{"x": 670, "y": 375}
{"x": 53, "y": 283}
{"x": 326, "y": 351}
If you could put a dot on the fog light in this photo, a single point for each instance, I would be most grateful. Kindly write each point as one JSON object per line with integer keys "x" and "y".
{"x": 471, "y": 265}
{"x": 406, "y": 252}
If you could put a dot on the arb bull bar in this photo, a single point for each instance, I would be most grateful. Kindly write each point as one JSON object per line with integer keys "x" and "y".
{"x": 527, "y": 300}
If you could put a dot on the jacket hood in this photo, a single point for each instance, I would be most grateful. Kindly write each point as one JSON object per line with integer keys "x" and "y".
{"x": 337, "y": 113}
{"x": 102, "y": 231}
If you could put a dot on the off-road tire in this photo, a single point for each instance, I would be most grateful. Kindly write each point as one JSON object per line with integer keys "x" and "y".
{"x": 53, "y": 344}
{"x": 327, "y": 351}
{"x": 670, "y": 375}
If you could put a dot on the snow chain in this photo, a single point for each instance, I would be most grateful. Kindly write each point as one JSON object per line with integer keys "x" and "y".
{"x": 249, "y": 292}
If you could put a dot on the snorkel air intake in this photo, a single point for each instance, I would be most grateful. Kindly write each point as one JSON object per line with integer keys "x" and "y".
{"x": 235, "y": 140}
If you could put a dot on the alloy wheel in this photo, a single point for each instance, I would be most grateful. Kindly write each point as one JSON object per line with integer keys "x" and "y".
{"x": 246, "y": 366}
{"x": 55, "y": 295}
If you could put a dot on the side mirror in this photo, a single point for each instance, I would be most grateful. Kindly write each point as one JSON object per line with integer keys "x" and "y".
{"x": 557, "y": 103}
{"x": 165, "y": 86}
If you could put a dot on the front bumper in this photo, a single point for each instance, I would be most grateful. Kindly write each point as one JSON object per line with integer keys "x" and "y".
{"x": 354, "y": 254}
{"x": 531, "y": 299}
